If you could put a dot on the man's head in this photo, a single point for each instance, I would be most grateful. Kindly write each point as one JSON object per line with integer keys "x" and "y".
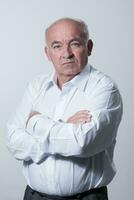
{"x": 68, "y": 46}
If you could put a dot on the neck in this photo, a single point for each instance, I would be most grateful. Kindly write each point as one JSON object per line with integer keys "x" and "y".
{"x": 61, "y": 80}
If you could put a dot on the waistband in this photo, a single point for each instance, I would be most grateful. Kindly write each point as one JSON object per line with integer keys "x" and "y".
{"x": 76, "y": 196}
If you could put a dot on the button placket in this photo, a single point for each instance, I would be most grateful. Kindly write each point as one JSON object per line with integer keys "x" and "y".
{"x": 61, "y": 104}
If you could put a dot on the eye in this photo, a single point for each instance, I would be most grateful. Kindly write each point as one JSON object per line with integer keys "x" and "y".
{"x": 75, "y": 44}
{"x": 56, "y": 46}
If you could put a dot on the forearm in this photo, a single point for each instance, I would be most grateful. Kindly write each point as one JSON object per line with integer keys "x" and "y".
{"x": 26, "y": 146}
{"x": 43, "y": 136}
{"x": 80, "y": 140}
{"x": 22, "y": 144}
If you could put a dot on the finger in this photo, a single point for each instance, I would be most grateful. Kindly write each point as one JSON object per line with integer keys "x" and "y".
{"x": 81, "y": 119}
{"x": 71, "y": 119}
{"x": 76, "y": 119}
{"x": 83, "y": 116}
{"x": 82, "y": 111}
{"x": 79, "y": 115}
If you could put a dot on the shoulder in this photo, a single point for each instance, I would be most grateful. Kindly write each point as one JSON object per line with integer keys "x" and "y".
{"x": 100, "y": 79}
{"x": 39, "y": 82}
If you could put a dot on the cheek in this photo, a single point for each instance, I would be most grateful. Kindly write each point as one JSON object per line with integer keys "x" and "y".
{"x": 54, "y": 58}
{"x": 81, "y": 56}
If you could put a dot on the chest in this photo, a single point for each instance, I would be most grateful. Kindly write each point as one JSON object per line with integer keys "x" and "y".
{"x": 61, "y": 105}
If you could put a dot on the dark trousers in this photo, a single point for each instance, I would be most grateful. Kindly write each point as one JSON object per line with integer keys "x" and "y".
{"x": 93, "y": 194}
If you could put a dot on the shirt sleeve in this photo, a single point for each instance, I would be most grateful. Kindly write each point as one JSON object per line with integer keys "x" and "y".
{"x": 83, "y": 140}
{"x": 21, "y": 143}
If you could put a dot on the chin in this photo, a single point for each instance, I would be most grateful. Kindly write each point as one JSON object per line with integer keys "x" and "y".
{"x": 72, "y": 73}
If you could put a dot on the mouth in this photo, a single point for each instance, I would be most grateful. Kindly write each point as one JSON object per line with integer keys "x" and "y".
{"x": 66, "y": 63}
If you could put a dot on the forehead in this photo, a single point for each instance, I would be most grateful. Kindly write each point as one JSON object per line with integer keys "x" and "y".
{"x": 64, "y": 30}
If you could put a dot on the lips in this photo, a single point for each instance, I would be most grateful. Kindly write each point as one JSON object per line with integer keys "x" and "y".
{"x": 65, "y": 63}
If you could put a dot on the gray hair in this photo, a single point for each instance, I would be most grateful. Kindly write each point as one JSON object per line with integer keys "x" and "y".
{"x": 83, "y": 26}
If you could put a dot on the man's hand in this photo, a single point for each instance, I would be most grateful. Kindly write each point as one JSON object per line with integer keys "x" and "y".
{"x": 81, "y": 117}
{"x": 33, "y": 113}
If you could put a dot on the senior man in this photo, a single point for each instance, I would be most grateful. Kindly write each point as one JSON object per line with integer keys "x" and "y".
{"x": 64, "y": 129}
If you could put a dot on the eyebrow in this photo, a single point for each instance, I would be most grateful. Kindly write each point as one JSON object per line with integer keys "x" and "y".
{"x": 75, "y": 39}
{"x": 72, "y": 40}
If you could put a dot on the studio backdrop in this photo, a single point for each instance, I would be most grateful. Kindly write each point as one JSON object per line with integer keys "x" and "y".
{"x": 22, "y": 58}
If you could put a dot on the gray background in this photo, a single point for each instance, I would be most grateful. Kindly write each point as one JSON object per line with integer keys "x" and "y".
{"x": 22, "y": 25}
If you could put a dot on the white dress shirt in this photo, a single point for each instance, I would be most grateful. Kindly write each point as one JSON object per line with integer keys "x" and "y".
{"x": 61, "y": 158}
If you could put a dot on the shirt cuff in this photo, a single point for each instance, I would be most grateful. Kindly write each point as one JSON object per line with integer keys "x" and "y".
{"x": 39, "y": 127}
{"x": 31, "y": 123}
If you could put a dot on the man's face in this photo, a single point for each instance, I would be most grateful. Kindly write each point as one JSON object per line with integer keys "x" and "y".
{"x": 66, "y": 48}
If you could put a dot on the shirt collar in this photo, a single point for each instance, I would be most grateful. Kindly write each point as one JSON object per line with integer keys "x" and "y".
{"x": 78, "y": 81}
{"x": 51, "y": 80}
{"x": 81, "y": 79}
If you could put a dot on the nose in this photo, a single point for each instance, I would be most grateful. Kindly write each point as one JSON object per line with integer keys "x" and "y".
{"x": 67, "y": 53}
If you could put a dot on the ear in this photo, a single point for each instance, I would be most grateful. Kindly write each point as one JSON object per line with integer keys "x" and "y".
{"x": 90, "y": 47}
{"x": 46, "y": 49}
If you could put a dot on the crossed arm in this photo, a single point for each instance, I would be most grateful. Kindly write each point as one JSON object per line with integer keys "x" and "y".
{"x": 80, "y": 117}
{"x": 82, "y": 135}
{"x": 26, "y": 146}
